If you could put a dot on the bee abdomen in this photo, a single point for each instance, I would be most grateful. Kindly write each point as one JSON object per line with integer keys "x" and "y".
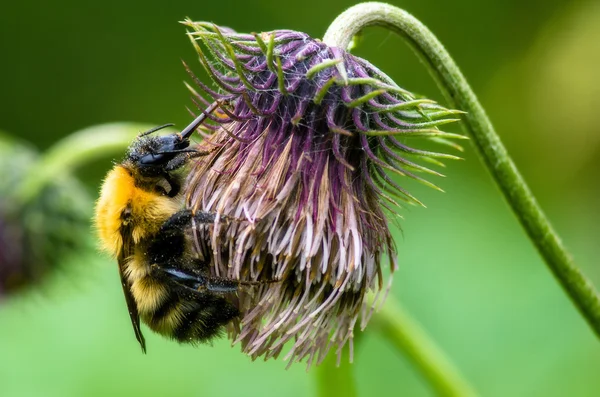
{"x": 202, "y": 317}
{"x": 190, "y": 317}
{"x": 166, "y": 317}
{"x": 148, "y": 292}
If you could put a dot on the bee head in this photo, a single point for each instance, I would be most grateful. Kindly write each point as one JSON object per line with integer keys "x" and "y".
{"x": 156, "y": 155}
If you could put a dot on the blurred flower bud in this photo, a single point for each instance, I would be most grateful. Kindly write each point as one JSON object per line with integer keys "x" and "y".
{"x": 36, "y": 234}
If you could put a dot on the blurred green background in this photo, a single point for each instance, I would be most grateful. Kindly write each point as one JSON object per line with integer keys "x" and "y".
{"x": 468, "y": 272}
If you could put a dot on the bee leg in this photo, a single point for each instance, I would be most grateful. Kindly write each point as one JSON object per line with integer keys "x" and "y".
{"x": 177, "y": 162}
{"x": 167, "y": 253}
{"x": 217, "y": 284}
{"x": 183, "y": 278}
{"x": 173, "y": 183}
{"x": 184, "y": 156}
{"x": 167, "y": 249}
{"x": 198, "y": 282}
{"x": 182, "y": 219}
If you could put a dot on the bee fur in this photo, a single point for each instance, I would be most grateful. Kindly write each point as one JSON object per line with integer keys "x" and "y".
{"x": 140, "y": 222}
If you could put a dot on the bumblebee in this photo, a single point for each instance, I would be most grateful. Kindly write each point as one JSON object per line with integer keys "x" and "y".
{"x": 140, "y": 221}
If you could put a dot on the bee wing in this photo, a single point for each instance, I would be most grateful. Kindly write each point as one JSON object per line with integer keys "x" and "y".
{"x": 131, "y": 305}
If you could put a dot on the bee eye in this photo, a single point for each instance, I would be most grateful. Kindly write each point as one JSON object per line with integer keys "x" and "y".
{"x": 153, "y": 159}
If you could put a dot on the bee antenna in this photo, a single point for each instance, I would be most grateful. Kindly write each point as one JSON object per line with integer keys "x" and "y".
{"x": 160, "y": 127}
{"x": 187, "y": 131}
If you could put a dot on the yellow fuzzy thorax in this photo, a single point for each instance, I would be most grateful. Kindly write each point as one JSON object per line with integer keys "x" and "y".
{"x": 149, "y": 210}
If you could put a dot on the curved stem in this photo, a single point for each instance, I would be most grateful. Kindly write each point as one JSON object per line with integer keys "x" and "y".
{"x": 460, "y": 95}
{"x": 334, "y": 379}
{"x": 75, "y": 150}
{"x": 402, "y": 331}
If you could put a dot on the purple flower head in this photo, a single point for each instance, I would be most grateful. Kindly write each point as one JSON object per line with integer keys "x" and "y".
{"x": 305, "y": 151}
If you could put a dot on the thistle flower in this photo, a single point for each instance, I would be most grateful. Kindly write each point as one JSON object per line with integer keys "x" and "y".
{"x": 305, "y": 151}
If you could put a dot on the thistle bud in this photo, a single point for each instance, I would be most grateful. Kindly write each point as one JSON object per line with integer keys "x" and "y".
{"x": 36, "y": 235}
{"x": 304, "y": 151}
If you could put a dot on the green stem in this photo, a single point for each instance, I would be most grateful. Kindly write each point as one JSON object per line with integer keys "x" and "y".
{"x": 460, "y": 95}
{"x": 402, "y": 331}
{"x": 407, "y": 335}
{"x": 334, "y": 380}
{"x": 79, "y": 148}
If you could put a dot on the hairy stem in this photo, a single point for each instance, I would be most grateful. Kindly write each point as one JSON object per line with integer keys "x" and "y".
{"x": 460, "y": 95}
